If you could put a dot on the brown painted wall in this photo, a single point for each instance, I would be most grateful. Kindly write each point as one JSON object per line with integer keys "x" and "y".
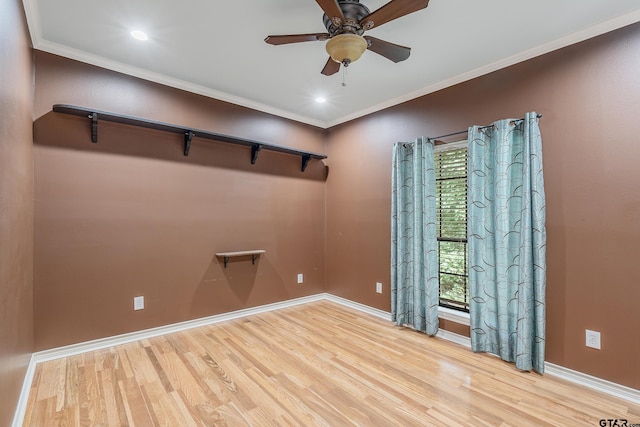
{"x": 16, "y": 205}
{"x": 132, "y": 216}
{"x": 590, "y": 97}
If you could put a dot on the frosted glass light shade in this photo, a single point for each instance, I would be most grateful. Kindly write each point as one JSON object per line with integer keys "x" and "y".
{"x": 346, "y": 47}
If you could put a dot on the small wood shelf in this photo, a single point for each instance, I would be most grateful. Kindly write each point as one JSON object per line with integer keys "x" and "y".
{"x": 253, "y": 253}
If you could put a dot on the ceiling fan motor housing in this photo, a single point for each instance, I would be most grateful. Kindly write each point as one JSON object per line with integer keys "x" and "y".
{"x": 353, "y": 12}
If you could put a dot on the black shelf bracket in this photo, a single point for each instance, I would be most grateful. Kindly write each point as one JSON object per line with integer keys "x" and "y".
{"x": 255, "y": 149}
{"x": 305, "y": 161}
{"x": 253, "y": 260}
{"x": 94, "y": 127}
{"x": 188, "y": 136}
{"x": 187, "y": 133}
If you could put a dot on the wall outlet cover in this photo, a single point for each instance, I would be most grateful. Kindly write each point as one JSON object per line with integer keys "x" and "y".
{"x": 138, "y": 303}
{"x": 593, "y": 339}
{"x": 300, "y": 278}
{"x": 379, "y": 287}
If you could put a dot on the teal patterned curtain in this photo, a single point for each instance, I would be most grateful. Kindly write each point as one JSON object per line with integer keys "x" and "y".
{"x": 414, "y": 251}
{"x": 507, "y": 241}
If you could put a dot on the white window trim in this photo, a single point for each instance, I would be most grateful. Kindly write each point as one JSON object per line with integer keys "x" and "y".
{"x": 456, "y": 316}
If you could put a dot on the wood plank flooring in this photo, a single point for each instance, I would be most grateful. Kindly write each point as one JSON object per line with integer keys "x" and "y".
{"x": 318, "y": 364}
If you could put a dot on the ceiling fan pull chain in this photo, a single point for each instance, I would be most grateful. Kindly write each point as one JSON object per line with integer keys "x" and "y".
{"x": 344, "y": 76}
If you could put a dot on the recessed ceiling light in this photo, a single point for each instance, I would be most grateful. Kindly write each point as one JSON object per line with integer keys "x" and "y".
{"x": 139, "y": 35}
{"x": 321, "y": 100}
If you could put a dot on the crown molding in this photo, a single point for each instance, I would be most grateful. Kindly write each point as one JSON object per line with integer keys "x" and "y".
{"x": 33, "y": 21}
{"x": 573, "y": 38}
{"x": 88, "y": 58}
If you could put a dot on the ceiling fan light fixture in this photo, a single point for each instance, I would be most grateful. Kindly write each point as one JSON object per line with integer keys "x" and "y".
{"x": 346, "y": 48}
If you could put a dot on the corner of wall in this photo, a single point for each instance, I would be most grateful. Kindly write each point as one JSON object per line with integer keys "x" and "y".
{"x": 16, "y": 217}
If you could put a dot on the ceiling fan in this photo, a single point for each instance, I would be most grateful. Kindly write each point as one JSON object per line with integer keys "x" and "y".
{"x": 346, "y": 21}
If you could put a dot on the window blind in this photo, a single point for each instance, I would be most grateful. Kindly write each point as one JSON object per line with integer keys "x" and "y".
{"x": 451, "y": 222}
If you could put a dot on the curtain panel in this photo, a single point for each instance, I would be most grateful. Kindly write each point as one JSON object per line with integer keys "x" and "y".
{"x": 507, "y": 241}
{"x": 414, "y": 251}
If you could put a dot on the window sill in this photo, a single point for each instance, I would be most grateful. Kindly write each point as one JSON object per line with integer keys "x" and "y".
{"x": 454, "y": 315}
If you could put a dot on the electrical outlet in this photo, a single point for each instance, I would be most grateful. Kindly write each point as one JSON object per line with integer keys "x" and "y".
{"x": 379, "y": 287}
{"x": 138, "y": 303}
{"x": 593, "y": 339}
{"x": 300, "y": 278}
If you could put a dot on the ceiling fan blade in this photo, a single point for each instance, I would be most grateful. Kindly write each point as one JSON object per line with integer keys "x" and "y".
{"x": 296, "y": 38}
{"x": 391, "y": 51}
{"x": 331, "y": 67}
{"x": 331, "y": 8}
{"x": 393, "y": 10}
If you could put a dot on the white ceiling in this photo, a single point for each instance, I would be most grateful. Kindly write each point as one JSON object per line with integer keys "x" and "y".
{"x": 216, "y": 48}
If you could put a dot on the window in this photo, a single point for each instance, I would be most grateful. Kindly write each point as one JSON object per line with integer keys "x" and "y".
{"x": 451, "y": 221}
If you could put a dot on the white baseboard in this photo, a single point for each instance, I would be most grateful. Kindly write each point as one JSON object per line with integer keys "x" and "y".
{"x": 598, "y": 384}
{"x": 102, "y": 343}
{"x": 594, "y": 383}
{"x": 357, "y": 306}
{"x": 456, "y": 338}
{"x": 21, "y": 408}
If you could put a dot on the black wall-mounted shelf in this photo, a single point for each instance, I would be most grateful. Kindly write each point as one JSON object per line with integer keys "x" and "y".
{"x": 186, "y": 132}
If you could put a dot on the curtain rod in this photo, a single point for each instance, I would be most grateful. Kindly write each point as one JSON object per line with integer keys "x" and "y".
{"x": 465, "y": 131}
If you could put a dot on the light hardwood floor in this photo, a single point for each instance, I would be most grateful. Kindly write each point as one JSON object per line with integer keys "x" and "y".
{"x": 318, "y": 364}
